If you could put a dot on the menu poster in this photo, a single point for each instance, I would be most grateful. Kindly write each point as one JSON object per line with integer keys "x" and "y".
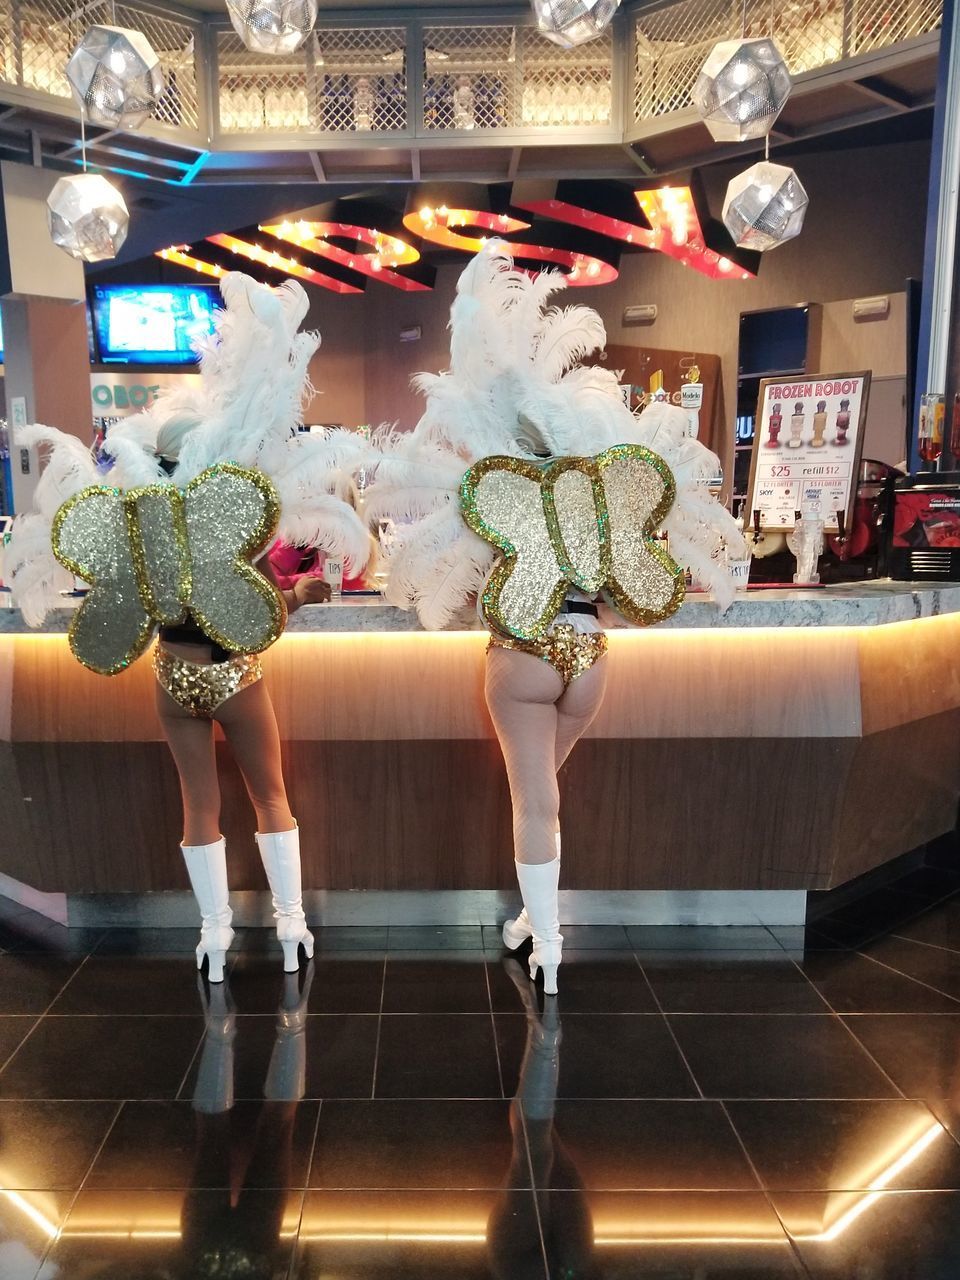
{"x": 806, "y": 448}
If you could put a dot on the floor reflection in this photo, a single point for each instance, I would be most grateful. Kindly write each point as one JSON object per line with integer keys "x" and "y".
{"x": 236, "y": 1215}
{"x": 772, "y": 1105}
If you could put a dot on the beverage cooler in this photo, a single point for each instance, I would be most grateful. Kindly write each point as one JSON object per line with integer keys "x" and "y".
{"x": 924, "y": 533}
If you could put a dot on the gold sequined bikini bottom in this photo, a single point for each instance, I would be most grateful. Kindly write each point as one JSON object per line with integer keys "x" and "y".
{"x": 569, "y": 652}
{"x": 202, "y": 687}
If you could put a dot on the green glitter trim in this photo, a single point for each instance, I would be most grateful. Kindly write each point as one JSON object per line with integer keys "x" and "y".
{"x": 607, "y": 581}
{"x": 255, "y": 541}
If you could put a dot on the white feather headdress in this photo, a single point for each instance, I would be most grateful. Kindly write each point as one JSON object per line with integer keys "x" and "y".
{"x": 516, "y": 386}
{"x": 247, "y": 409}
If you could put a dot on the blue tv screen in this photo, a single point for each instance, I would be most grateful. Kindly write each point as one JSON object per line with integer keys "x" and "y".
{"x": 152, "y": 324}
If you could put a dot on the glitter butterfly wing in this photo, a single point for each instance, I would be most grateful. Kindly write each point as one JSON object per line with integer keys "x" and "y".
{"x": 502, "y": 501}
{"x": 152, "y": 554}
{"x": 91, "y": 539}
{"x": 585, "y": 523}
{"x": 641, "y": 581}
{"x": 230, "y": 514}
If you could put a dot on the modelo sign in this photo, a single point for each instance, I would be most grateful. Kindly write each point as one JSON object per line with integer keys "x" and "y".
{"x": 117, "y": 395}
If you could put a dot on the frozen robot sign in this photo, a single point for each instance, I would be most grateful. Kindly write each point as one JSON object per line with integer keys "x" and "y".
{"x": 806, "y": 450}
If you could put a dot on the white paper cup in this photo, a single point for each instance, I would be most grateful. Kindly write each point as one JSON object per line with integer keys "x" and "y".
{"x": 740, "y": 572}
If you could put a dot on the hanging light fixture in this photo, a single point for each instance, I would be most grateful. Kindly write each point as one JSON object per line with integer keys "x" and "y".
{"x": 765, "y": 206}
{"x": 742, "y": 88}
{"x": 272, "y": 26}
{"x": 87, "y": 217}
{"x": 116, "y": 77}
{"x": 569, "y": 23}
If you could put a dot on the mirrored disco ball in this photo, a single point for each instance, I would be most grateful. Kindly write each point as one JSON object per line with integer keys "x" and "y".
{"x": 273, "y": 26}
{"x": 741, "y": 90}
{"x": 87, "y": 217}
{"x": 765, "y": 206}
{"x": 116, "y": 77}
{"x": 569, "y": 23}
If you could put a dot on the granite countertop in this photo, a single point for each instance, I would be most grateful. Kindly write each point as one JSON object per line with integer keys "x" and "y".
{"x": 859, "y": 604}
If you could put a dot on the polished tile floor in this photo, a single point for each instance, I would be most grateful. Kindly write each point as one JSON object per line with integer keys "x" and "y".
{"x": 695, "y": 1105}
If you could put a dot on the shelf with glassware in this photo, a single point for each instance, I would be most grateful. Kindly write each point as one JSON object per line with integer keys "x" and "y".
{"x": 333, "y": 91}
{"x": 473, "y": 97}
{"x": 359, "y": 101}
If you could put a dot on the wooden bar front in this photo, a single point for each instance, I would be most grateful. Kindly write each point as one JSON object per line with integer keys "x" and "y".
{"x": 761, "y": 758}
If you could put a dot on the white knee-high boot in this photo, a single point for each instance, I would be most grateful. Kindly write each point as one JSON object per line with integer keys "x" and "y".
{"x": 539, "y": 887}
{"x": 207, "y": 869}
{"x": 280, "y": 853}
{"x": 516, "y": 932}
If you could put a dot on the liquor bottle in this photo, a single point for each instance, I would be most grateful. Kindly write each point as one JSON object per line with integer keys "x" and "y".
{"x": 955, "y": 427}
{"x": 796, "y": 427}
{"x": 819, "y": 425}
{"x": 775, "y": 422}
{"x": 843, "y": 423}
{"x": 930, "y": 433}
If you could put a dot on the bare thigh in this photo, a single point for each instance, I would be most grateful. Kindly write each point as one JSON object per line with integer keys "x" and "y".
{"x": 250, "y": 726}
{"x": 191, "y": 744}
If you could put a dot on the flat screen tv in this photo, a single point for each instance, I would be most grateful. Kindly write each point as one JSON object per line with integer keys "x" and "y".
{"x": 773, "y": 342}
{"x": 152, "y": 324}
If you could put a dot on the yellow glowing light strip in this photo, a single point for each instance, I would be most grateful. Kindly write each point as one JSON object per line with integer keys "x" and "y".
{"x": 29, "y": 1211}
{"x": 876, "y": 1187}
{"x": 177, "y": 255}
{"x": 133, "y": 1234}
{"x": 440, "y": 226}
{"x": 406, "y": 1237}
{"x": 870, "y": 1196}
{"x": 270, "y": 258}
{"x": 391, "y": 250}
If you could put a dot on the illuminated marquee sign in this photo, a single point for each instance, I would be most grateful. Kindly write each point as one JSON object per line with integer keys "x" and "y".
{"x": 675, "y": 228}
{"x": 664, "y": 219}
{"x": 374, "y": 253}
{"x": 442, "y": 227}
{"x": 289, "y": 266}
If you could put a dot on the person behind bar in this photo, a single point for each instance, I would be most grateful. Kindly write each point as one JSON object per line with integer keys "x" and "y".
{"x": 538, "y": 534}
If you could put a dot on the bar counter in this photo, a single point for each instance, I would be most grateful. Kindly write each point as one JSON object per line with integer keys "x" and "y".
{"x": 793, "y": 743}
